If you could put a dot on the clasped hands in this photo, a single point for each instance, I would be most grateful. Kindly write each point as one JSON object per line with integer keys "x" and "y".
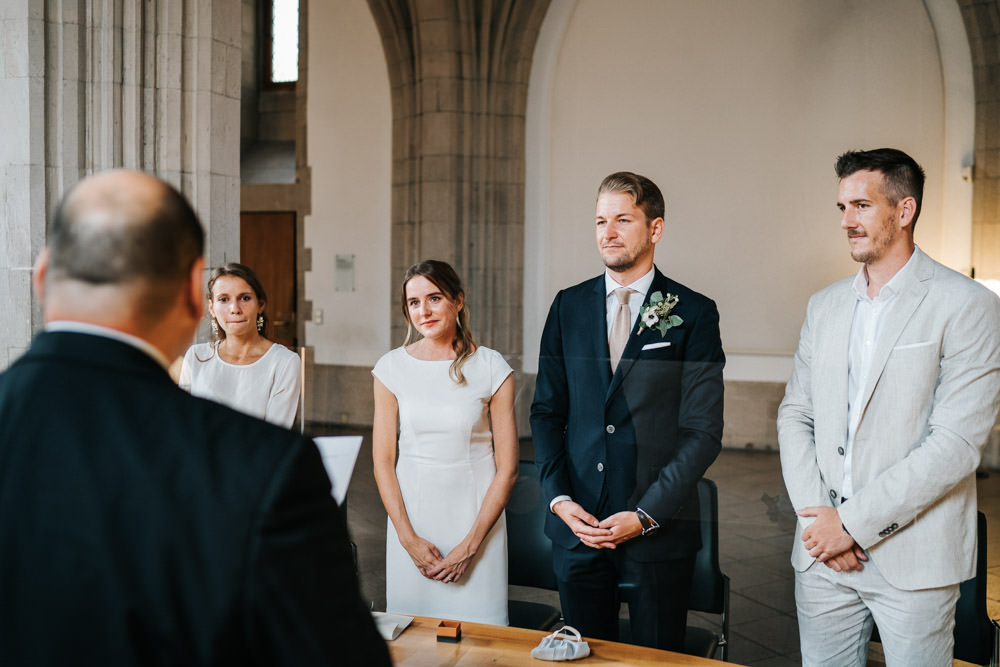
{"x": 828, "y": 542}
{"x": 606, "y": 534}
{"x": 447, "y": 569}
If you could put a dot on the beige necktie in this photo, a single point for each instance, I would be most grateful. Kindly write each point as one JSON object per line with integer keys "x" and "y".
{"x": 621, "y": 327}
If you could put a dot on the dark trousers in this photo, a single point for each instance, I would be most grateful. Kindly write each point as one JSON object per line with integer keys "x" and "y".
{"x": 594, "y": 582}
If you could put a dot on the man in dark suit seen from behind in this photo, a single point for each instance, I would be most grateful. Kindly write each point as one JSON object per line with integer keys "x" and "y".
{"x": 627, "y": 417}
{"x": 140, "y": 525}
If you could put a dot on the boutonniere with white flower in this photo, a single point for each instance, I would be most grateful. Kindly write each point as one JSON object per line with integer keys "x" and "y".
{"x": 656, "y": 314}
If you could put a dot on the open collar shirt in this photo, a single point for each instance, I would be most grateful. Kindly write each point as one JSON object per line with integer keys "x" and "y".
{"x": 869, "y": 314}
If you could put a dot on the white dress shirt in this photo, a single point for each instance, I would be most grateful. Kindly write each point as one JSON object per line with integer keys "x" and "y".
{"x": 640, "y": 286}
{"x": 869, "y": 314}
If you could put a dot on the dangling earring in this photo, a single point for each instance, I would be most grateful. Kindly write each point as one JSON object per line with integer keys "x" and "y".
{"x": 215, "y": 328}
{"x": 260, "y": 322}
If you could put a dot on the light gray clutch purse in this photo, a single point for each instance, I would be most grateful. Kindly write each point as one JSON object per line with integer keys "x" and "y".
{"x": 563, "y": 644}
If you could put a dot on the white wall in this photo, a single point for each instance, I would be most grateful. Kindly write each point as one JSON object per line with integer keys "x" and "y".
{"x": 738, "y": 111}
{"x": 349, "y": 151}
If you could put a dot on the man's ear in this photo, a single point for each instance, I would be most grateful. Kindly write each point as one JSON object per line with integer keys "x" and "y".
{"x": 39, "y": 272}
{"x": 656, "y": 229}
{"x": 907, "y": 209}
{"x": 196, "y": 303}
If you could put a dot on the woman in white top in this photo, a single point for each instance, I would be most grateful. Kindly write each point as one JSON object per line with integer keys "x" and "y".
{"x": 241, "y": 368}
{"x": 446, "y": 541}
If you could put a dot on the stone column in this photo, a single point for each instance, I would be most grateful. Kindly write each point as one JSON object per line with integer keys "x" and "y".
{"x": 982, "y": 23}
{"x": 92, "y": 85}
{"x": 459, "y": 74}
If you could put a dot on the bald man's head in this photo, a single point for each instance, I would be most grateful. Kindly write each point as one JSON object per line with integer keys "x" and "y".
{"x": 123, "y": 228}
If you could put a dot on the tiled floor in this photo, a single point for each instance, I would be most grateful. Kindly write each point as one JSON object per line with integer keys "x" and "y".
{"x": 755, "y": 534}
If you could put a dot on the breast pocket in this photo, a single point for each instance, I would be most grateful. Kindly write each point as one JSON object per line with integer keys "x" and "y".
{"x": 911, "y": 373}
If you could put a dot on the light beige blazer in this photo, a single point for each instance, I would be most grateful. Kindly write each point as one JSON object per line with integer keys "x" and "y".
{"x": 929, "y": 404}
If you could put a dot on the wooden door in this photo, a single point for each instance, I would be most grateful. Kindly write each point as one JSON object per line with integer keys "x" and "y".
{"x": 267, "y": 245}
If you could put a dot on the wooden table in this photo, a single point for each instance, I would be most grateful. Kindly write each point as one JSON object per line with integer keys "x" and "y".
{"x": 498, "y": 645}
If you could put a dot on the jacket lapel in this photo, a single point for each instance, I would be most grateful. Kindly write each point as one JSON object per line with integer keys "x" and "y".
{"x": 911, "y": 294}
{"x": 596, "y": 322}
{"x": 838, "y": 333}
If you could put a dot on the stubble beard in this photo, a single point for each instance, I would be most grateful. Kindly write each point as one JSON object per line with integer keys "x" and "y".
{"x": 878, "y": 244}
{"x": 620, "y": 265}
{"x": 623, "y": 264}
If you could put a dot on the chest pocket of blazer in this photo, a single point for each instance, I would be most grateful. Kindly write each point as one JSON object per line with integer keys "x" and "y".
{"x": 658, "y": 350}
{"x": 911, "y": 372}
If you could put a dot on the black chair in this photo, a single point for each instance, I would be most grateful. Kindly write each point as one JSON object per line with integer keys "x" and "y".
{"x": 529, "y": 551}
{"x": 709, "y": 585}
{"x": 975, "y": 631}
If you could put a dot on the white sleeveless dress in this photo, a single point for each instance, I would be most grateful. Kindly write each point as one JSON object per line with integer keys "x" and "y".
{"x": 444, "y": 467}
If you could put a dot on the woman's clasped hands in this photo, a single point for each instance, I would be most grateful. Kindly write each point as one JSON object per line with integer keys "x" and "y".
{"x": 428, "y": 560}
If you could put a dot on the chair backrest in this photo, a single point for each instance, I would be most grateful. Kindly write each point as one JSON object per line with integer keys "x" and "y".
{"x": 708, "y": 584}
{"x": 529, "y": 551}
{"x": 973, "y": 627}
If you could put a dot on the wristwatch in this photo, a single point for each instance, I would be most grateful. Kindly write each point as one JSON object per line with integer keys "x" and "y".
{"x": 649, "y": 525}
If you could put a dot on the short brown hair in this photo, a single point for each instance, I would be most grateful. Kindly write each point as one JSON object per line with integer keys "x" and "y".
{"x": 644, "y": 191}
{"x": 901, "y": 175}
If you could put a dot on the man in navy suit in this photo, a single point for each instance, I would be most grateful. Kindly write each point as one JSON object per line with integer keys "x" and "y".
{"x": 140, "y": 525}
{"x": 627, "y": 417}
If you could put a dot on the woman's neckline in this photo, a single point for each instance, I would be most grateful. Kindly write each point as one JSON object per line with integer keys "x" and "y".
{"x": 252, "y": 363}
{"x": 432, "y": 361}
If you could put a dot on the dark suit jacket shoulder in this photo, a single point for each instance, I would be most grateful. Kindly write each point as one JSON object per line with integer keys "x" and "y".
{"x": 154, "y": 527}
{"x": 640, "y": 437}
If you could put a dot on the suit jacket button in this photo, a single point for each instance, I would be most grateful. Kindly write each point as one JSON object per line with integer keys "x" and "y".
{"x": 882, "y": 533}
{"x": 840, "y": 450}
{"x": 600, "y": 467}
{"x": 610, "y": 428}
{"x": 894, "y": 526}
{"x": 833, "y": 494}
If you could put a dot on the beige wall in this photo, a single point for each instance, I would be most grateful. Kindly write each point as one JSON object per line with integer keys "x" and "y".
{"x": 349, "y": 148}
{"x": 737, "y": 110}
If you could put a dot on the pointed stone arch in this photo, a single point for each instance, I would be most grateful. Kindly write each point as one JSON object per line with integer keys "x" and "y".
{"x": 459, "y": 75}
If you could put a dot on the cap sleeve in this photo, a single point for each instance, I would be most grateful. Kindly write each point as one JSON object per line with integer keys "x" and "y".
{"x": 384, "y": 372}
{"x": 499, "y": 370}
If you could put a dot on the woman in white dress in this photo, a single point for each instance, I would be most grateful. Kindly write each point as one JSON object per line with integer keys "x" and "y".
{"x": 241, "y": 368}
{"x": 446, "y": 542}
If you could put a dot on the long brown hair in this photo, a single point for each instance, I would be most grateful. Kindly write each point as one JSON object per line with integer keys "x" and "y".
{"x": 445, "y": 279}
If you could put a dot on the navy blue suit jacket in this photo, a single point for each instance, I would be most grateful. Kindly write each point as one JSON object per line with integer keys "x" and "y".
{"x": 140, "y": 525}
{"x": 640, "y": 438}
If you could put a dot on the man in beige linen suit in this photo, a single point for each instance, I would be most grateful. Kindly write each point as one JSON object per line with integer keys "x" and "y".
{"x": 895, "y": 388}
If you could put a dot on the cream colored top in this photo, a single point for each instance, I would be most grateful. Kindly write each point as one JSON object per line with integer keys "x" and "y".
{"x": 268, "y": 388}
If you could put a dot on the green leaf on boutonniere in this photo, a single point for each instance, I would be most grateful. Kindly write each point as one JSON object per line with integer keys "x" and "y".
{"x": 656, "y": 314}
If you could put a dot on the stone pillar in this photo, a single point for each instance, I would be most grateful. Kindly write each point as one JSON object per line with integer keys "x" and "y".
{"x": 459, "y": 74}
{"x": 982, "y": 23}
{"x": 91, "y": 85}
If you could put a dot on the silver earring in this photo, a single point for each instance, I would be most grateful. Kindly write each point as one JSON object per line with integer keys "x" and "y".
{"x": 215, "y": 327}
{"x": 260, "y": 323}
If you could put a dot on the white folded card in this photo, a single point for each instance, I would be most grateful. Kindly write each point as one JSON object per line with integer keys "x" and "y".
{"x": 339, "y": 454}
{"x": 390, "y": 626}
{"x": 653, "y": 346}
